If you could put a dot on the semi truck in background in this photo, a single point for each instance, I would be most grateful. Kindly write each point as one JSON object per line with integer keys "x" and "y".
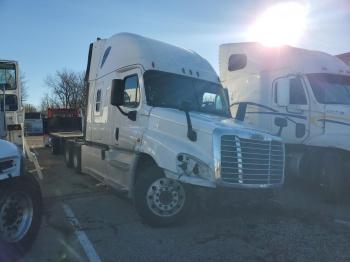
{"x": 33, "y": 123}
{"x": 11, "y": 102}
{"x": 158, "y": 127}
{"x": 306, "y": 91}
{"x": 20, "y": 195}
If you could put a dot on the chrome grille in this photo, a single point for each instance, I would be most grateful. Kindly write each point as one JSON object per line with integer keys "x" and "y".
{"x": 251, "y": 162}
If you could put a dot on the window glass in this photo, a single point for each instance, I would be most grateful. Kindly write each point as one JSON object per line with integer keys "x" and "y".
{"x": 330, "y": 88}
{"x": 105, "y": 55}
{"x": 297, "y": 92}
{"x": 7, "y": 76}
{"x": 236, "y": 62}
{"x": 211, "y": 102}
{"x": 132, "y": 91}
{"x": 98, "y": 101}
{"x": 11, "y": 102}
{"x": 171, "y": 90}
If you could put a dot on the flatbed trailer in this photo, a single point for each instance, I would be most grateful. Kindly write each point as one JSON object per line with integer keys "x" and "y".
{"x": 61, "y": 125}
{"x": 58, "y": 140}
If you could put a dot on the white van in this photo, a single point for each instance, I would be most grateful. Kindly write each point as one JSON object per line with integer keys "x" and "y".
{"x": 158, "y": 126}
{"x": 307, "y": 92}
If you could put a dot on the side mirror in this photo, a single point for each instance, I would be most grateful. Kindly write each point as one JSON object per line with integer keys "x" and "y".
{"x": 281, "y": 123}
{"x": 282, "y": 92}
{"x": 300, "y": 130}
{"x": 117, "y": 92}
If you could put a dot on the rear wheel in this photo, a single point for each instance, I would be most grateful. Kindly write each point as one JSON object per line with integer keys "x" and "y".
{"x": 161, "y": 201}
{"x": 20, "y": 216}
{"x": 332, "y": 176}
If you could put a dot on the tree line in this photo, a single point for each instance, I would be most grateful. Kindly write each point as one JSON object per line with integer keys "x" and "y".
{"x": 66, "y": 89}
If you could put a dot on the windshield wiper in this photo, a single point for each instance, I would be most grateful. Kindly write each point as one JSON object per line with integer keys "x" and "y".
{"x": 191, "y": 134}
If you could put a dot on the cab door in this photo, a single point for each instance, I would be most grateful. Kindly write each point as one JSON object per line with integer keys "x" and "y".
{"x": 127, "y": 133}
{"x": 295, "y": 110}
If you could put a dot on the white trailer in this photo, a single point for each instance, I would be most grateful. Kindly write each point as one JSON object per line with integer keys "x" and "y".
{"x": 158, "y": 127}
{"x": 306, "y": 91}
{"x": 20, "y": 195}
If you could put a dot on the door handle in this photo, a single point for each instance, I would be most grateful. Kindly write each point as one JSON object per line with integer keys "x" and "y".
{"x": 295, "y": 110}
{"x": 116, "y": 134}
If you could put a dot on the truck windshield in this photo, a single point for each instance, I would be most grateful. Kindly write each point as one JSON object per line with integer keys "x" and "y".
{"x": 7, "y": 76}
{"x": 170, "y": 90}
{"x": 11, "y": 103}
{"x": 330, "y": 88}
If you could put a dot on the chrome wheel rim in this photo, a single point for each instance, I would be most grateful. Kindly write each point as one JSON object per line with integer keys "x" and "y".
{"x": 166, "y": 197}
{"x": 16, "y": 216}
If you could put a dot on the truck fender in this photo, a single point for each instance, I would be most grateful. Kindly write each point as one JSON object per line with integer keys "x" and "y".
{"x": 164, "y": 149}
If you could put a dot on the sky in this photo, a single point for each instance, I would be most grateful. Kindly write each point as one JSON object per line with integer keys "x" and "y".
{"x": 46, "y": 36}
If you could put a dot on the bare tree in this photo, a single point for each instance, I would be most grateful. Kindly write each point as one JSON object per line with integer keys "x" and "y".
{"x": 68, "y": 89}
{"x": 47, "y": 102}
{"x": 29, "y": 108}
{"x": 24, "y": 87}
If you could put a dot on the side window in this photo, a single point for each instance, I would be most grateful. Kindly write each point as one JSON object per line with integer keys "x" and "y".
{"x": 297, "y": 92}
{"x": 105, "y": 55}
{"x": 132, "y": 91}
{"x": 98, "y": 101}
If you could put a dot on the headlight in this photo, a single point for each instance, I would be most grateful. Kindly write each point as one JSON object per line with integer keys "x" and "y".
{"x": 5, "y": 165}
{"x": 191, "y": 166}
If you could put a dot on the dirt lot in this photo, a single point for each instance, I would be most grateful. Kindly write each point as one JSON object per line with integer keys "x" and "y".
{"x": 84, "y": 220}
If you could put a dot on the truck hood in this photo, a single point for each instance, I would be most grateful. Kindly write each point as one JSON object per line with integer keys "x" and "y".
{"x": 166, "y": 136}
{"x": 8, "y": 149}
{"x": 201, "y": 122}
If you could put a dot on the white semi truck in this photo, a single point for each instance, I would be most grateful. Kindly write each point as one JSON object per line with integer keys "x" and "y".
{"x": 11, "y": 101}
{"x": 306, "y": 91}
{"x": 158, "y": 126}
{"x": 20, "y": 195}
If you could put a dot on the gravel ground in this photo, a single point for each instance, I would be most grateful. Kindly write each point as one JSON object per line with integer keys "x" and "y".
{"x": 296, "y": 226}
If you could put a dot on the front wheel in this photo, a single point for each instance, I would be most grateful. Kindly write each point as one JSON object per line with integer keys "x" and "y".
{"x": 20, "y": 216}
{"x": 161, "y": 201}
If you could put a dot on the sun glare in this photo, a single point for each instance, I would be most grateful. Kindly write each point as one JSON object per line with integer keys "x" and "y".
{"x": 280, "y": 24}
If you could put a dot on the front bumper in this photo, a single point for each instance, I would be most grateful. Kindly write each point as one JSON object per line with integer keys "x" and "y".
{"x": 197, "y": 181}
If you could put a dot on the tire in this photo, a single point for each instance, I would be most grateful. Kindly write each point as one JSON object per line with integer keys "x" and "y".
{"x": 76, "y": 158}
{"x": 332, "y": 177}
{"x": 68, "y": 153}
{"x": 161, "y": 201}
{"x": 55, "y": 146}
{"x": 21, "y": 205}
